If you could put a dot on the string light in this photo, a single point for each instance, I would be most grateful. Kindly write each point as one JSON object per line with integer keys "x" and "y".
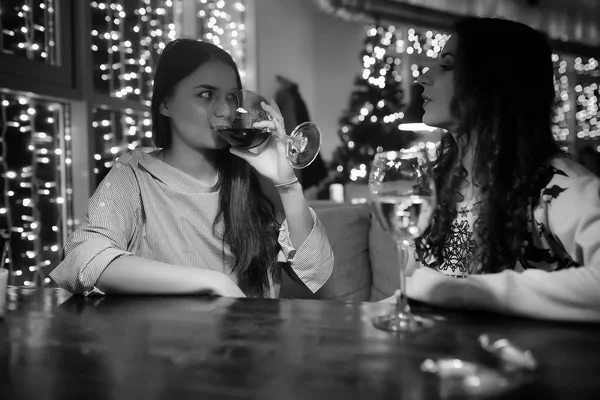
{"x": 560, "y": 127}
{"x": 396, "y": 46}
{"x": 31, "y": 33}
{"x": 117, "y": 132}
{"x": 358, "y": 173}
{"x": 125, "y": 44}
{"x": 387, "y": 51}
{"x": 223, "y": 24}
{"x": 36, "y": 173}
{"x": 36, "y": 176}
{"x": 381, "y": 66}
{"x": 587, "y": 93}
{"x": 430, "y": 43}
{"x": 126, "y": 47}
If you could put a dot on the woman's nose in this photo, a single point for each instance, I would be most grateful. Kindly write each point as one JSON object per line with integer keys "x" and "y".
{"x": 424, "y": 79}
{"x": 222, "y": 111}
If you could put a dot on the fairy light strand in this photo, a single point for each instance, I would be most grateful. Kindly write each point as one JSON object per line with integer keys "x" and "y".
{"x": 398, "y": 45}
{"x": 125, "y": 44}
{"x": 6, "y": 209}
{"x": 117, "y": 132}
{"x": 37, "y": 207}
{"x": 223, "y": 24}
{"x": 31, "y": 33}
{"x": 35, "y": 175}
{"x": 587, "y": 92}
{"x": 126, "y": 50}
{"x": 387, "y": 51}
{"x": 35, "y": 225}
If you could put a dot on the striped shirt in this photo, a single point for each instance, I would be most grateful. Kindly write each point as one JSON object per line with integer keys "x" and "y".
{"x": 147, "y": 208}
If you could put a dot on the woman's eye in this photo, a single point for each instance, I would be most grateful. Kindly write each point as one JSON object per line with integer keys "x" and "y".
{"x": 205, "y": 95}
{"x": 445, "y": 67}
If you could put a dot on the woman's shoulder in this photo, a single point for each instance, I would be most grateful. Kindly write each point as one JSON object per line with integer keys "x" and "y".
{"x": 562, "y": 173}
{"x": 133, "y": 158}
{"x": 567, "y": 166}
{"x": 561, "y": 168}
{"x": 125, "y": 169}
{"x": 131, "y": 162}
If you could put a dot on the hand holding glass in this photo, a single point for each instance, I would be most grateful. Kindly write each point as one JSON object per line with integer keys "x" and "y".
{"x": 235, "y": 114}
{"x": 403, "y": 198}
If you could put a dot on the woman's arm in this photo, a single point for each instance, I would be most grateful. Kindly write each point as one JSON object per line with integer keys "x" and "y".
{"x": 136, "y": 275}
{"x": 299, "y": 219}
{"x": 569, "y": 294}
{"x": 95, "y": 259}
{"x": 303, "y": 240}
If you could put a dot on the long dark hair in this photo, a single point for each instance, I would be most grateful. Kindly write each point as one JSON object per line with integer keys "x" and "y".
{"x": 504, "y": 94}
{"x": 248, "y": 215}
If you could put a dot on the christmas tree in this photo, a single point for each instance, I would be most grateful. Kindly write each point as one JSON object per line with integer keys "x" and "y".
{"x": 370, "y": 124}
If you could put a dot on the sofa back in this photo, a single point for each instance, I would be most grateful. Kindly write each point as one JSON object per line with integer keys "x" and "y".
{"x": 347, "y": 227}
{"x": 366, "y": 267}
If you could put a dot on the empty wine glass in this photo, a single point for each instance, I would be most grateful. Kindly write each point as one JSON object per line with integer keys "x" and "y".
{"x": 233, "y": 115}
{"x": 403, "y": 198}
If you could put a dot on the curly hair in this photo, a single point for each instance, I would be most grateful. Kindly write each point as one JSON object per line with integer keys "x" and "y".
{"x": 504, "y": 103}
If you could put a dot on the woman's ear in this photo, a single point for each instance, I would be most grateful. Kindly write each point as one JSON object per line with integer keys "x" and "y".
{"x": 164, "y": 109}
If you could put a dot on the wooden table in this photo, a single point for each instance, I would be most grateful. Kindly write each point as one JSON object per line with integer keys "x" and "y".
{"x": 53, "y": 346}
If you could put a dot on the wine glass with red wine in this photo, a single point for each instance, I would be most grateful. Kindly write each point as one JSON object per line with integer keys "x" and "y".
{"x": 233, "y": 115}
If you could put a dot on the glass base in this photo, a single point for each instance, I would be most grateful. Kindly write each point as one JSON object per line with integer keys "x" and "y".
{"x": 303, "y": 145}
{"x": 402, "y": 322}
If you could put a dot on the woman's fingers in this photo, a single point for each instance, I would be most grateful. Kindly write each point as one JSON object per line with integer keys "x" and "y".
{"x": 244, "y": 154}
{"x": 252, "y": 154}
{"x": 276, "y": 116}
{"x": 270, "y": 125}
{"x": 271, "y": 110}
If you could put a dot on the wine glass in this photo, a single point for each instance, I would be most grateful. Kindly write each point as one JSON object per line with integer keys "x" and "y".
{"x": 403, "y": 198}
{"x": 233, "y": 115}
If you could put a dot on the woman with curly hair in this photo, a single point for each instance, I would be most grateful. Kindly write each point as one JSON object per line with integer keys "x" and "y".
{"x": 518, "y": 220}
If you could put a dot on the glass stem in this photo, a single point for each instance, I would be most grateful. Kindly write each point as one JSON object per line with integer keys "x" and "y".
{"x": 298, "y": 144}
{"x": 402, "y": 306}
